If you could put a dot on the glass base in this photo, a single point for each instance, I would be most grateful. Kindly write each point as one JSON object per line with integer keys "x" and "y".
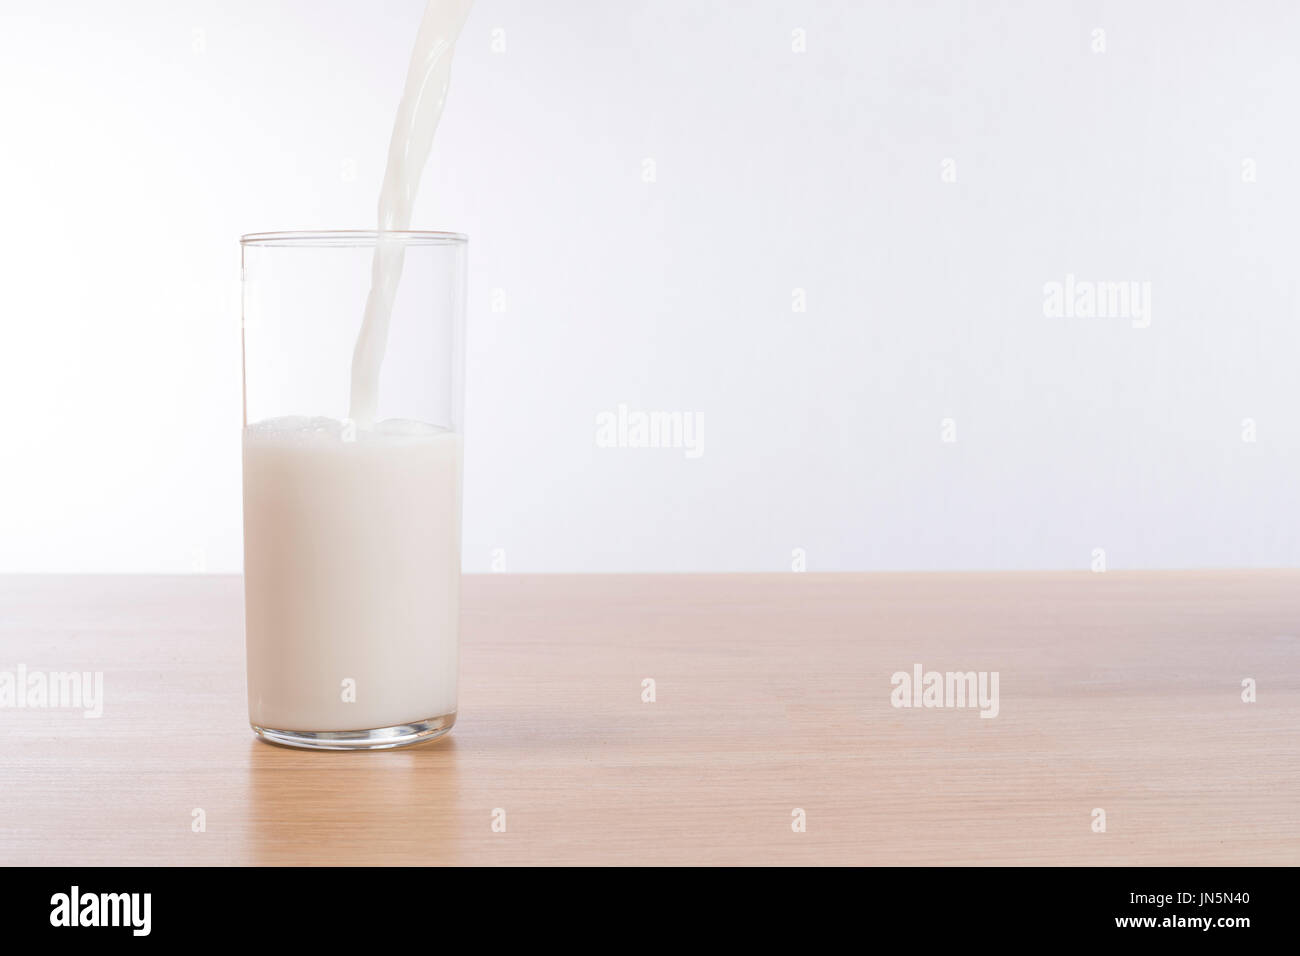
{"x": 380, "y": 738}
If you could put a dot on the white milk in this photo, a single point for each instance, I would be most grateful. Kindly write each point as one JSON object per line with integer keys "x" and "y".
{"x": 352, "y": 534}
{"x": 352, "y": 573}
{"x": 418, "y": 114}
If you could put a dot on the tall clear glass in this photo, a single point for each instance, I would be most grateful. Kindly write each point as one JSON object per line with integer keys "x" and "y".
{"x": 351, "y": 528}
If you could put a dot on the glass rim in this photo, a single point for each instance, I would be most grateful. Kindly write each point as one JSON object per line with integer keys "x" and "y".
{"x": 351, "y": 237}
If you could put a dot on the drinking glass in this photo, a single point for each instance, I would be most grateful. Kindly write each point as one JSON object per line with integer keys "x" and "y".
{"x": 351, "y": 528}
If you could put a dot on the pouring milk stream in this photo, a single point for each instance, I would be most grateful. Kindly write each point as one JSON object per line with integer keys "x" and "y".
{"x": 418, "y": 114}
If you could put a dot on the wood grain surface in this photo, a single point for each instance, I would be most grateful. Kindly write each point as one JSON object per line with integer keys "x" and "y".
{"x": 1120, "y": 691}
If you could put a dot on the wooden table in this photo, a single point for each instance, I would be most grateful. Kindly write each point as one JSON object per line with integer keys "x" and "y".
{"x": 1119, "y": 691}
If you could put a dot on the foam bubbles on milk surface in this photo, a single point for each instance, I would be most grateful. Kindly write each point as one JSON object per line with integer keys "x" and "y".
{"x": 322, "y": 430}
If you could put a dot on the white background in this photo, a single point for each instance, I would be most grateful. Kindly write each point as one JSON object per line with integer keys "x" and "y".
{"x": 138, "y": 141}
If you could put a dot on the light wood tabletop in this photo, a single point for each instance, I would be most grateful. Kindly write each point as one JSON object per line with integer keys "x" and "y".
{"x": 1120, "y": 692}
